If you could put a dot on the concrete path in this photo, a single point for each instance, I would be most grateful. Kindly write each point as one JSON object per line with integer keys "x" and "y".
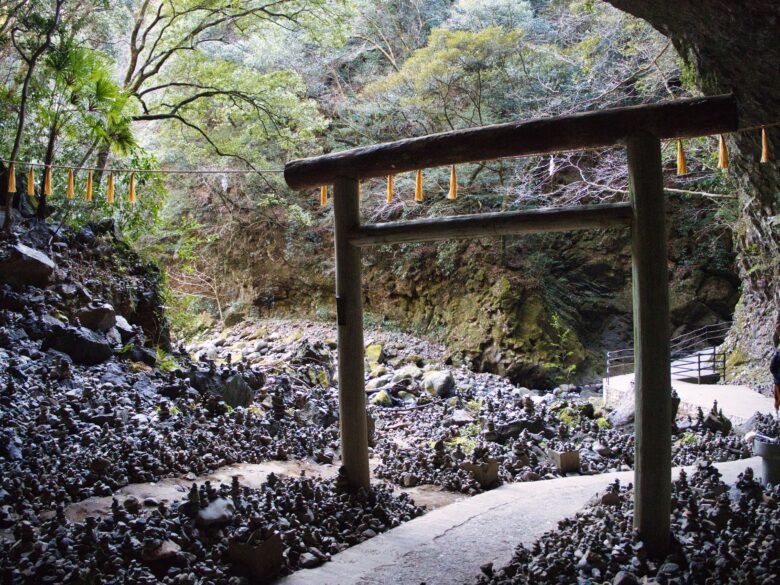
{"x": 447, "y": 546}
{"x": 738, "y": 403}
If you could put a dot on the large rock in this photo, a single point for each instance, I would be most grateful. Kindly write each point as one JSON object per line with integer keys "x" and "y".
{"x": 126, "y": 331}
{"x": 623, "y": 414}
{"x": 264, "y": 560}
{"x": 375, "y": 353}
{"x": 21, "y": 265}
{"x": 166, "y": 551}
{"x": 83, "y": 345}
{"x": 381, "y": 398}
{"x": 220, "y": 511}
{"x": 439, "y": 383}
{"x": 41, "y": 327}
{"x": 237, "y": 392}
{"x": 234, "y": 390}
{"x": 486, "y": 474}
{"x": 97, "y": 316}
{"x": 318, "y": 413}
{"x": 408, "y": 372}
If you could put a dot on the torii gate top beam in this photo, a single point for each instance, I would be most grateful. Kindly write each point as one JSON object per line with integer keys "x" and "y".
{"x": 682, "y": 118}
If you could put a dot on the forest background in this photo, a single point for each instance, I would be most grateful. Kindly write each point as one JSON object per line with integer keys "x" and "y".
{"x": 247, "y": 84}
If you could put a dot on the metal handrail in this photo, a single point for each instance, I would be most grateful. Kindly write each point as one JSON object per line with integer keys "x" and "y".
{"x": 621, "y": 361}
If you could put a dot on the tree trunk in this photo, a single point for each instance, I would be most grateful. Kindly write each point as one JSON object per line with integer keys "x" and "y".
{"x": 101, "y": 164}
{"x": 22, "y": 117}
{"x": 48, "y": 160}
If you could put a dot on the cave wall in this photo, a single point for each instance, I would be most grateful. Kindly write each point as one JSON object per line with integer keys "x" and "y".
{"x": 734, "y": 47}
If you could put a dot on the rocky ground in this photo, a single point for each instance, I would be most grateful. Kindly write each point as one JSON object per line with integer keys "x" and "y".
{"x": 94, "y": 398}
{"x": 224, "y": 534}
{"x": 720, "y": 533}
{"x": 460, "y": 430}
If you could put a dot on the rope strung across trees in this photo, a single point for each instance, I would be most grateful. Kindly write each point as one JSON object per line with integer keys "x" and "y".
{"x": 682, "y": 169}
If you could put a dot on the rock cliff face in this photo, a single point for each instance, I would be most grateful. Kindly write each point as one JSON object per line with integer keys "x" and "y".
{"x": 540, "y": 309}
{"x": 94, "y": 290}
{"x": 735, "y": 47}
{"x": 544, "y": 311}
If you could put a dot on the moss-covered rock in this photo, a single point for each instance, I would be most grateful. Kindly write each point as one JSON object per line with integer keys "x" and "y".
{"x": 375, "y": 353}
{"x": 381, "y": 398}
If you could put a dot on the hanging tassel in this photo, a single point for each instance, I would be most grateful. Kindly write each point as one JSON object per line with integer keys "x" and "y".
{"x": 47, "y": 182}
{"x": 324, "y": 195}
{"x": 88, "y": 193}
{"x": 551, "y": 169}
{"x": 11, "y": 178}
{"x": 131, "y": 190}
{"x": 389, "y": 188}
{"x": 30, "y": 182}
{"x": 110, "y": 189}
{"x": 418, "y": 192}
{"x": 453, "y": 184}
{"x": 682, "y": 168}
{"x": 69, "y": 193}
{"x": 764, "y": 146}
{"x": 723, "y": 153}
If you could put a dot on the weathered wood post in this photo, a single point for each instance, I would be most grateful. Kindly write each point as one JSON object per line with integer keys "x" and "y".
{"x": 653, "y": 460}
{"x": 349, "y": 309}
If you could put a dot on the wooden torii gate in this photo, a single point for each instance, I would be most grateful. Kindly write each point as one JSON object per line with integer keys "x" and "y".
{"x": 639, "y": 129}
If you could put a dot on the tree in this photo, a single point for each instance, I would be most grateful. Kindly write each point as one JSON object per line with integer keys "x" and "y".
{"x": 31, "y": 35}
{"x": 174, "y": 68}
{"x": 78, "y": 95}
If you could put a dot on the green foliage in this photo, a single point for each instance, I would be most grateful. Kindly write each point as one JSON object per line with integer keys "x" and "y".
{"x": 568, "y": 416}
{"x": 134, "y": 220}
{"x": 456, "y": 80}
{"x": 561, "y": 341}
{"x": 165, "y": 361}
{"x": 687, "y": 438}
{"x": 173, "y": 410}
{"x": 186, "y": 314}
{"x": 474, "y": 405}
{"x": 466, "y": 438}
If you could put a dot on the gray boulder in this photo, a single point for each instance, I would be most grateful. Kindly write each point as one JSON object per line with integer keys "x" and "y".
{"x": 220, "y": 511}
{"x": 83, "y": 345}
{"x": 237, "y": 392}
{"x": 97, "y": 316}
{"x": 21, "y": 265}
{"x": 124, "y": 328}
{"x": 234, "y": 390}
{"x": 439, "y": 383}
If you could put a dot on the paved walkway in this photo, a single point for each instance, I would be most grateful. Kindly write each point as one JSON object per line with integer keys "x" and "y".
{"x": 738, "y": 403}
{"x": 447, "y": 546}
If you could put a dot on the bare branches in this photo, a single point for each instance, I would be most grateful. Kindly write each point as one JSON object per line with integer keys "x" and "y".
{"x": 163, "y": 31}
{"x": 202, "y": 132}
{"x": 10, "y": 15}
{"x": 203, "y": 282}
{"x": 194, "y": 22}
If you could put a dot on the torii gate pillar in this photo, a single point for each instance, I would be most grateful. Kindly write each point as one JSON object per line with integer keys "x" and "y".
{"x": 652, "y": 382}
{"x": 349, "y": 309}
